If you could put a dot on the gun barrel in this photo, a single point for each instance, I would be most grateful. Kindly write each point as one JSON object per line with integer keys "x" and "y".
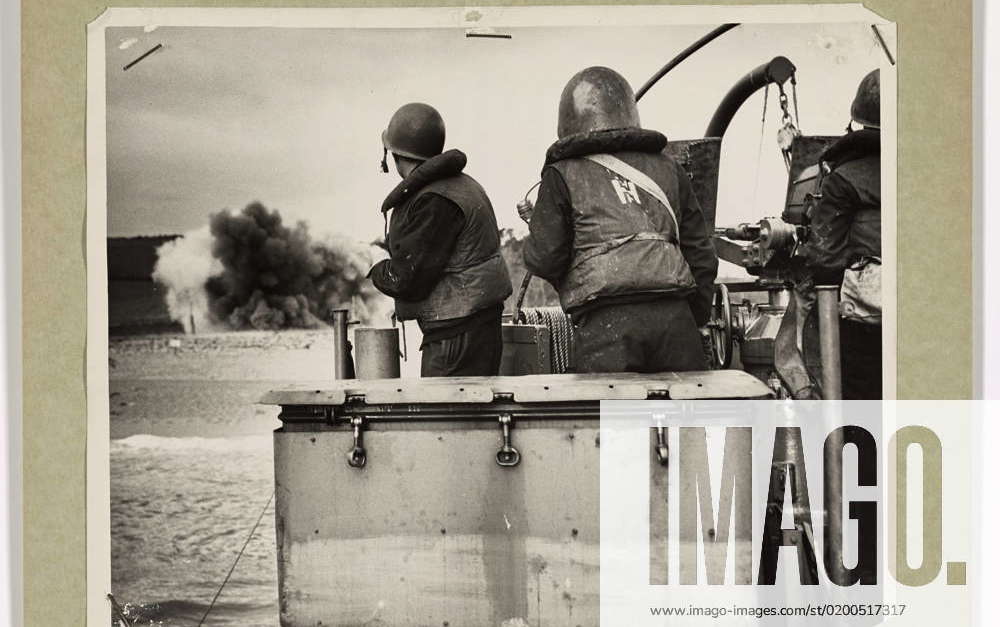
{"x": 744, "y": 232}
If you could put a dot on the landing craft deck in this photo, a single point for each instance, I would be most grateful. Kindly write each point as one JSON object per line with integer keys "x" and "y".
{"x": 472, "y": 501}
{"x": 720, "y": 384}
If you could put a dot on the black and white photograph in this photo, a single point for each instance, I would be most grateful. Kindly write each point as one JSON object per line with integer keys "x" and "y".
{"x": 369, "y": 273}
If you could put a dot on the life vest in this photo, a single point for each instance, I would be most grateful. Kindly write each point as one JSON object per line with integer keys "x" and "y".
{"x": 624, "y": 240}
{"x": 476, "y": 276}
{"x": 864, "y": 175}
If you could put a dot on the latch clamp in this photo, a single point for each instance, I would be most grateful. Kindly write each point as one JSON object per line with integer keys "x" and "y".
{"x": 507, "y": 456}
{"x": 356, "y": 457}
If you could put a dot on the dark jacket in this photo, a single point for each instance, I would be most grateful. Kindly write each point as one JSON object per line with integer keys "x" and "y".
{"x": 473, "y": 276}
{"x": 599, "y": 240}
{"x": 422, "y": 245}
{"x": 846, "y": 223}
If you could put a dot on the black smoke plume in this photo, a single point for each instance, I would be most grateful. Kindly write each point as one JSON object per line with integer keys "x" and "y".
{"x": 266, "y": 275}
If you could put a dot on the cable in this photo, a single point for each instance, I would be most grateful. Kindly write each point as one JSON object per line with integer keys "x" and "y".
{"x": 237, "y": 560}
{"x": 687, "y": 52}
{"x": 119, "y": 611}
{"x": 760, "y": 150}
{"x": 531, "y": 189}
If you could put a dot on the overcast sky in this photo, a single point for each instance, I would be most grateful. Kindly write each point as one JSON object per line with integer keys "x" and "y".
{"x": 292, "y": 117}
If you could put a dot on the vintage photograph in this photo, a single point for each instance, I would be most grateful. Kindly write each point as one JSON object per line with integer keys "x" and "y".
{"x": 368, "y": 282}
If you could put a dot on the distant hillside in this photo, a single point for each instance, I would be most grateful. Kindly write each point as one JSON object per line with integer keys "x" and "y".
{"x": 133, "y": 258}
{"x": 136, "y": 303}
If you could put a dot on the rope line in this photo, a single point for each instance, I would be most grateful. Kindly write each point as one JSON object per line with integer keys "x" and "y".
{"x": 237, "y": 560}
{"x": 795, "y": 101}
{"x": 119, "y": 611}
{"x": 560, "y": 333}
{"x": 760, "y": 150}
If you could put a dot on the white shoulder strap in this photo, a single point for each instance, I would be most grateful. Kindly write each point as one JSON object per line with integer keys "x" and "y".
{"x": 641, "y": 181}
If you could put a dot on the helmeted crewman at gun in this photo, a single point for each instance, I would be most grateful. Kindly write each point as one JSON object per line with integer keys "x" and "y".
{"x": 845, "y": 235}
{"x": 445, "y": 270}
{"x": 619, "y": 233}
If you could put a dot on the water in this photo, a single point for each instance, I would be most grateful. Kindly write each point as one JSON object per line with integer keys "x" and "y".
{"x": 191, "y": 470}
{"x": 181, "y": 509}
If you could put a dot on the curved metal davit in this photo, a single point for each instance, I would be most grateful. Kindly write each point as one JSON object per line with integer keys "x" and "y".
{"x": 777, "y": 71}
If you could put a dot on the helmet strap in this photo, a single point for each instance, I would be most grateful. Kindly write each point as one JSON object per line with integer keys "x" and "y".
{"x": 385, "y": 164}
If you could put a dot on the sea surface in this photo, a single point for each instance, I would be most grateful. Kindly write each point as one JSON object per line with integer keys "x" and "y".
{"x": 191, "y": 471}
{"x": 181, "y": 508}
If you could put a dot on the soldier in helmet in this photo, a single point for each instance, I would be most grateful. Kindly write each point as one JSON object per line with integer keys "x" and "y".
{"x": 619, "y": 233}
{"x": 445, "y": 270}
{"x": 846, "y": 228}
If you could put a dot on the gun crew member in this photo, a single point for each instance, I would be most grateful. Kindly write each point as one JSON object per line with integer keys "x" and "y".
{"x": 619, "y": 233}
{"x": 844, "y": 245}
{"x": 445, "y": 270}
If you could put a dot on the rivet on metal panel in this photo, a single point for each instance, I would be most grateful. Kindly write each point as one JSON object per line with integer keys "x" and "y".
{"x": 507, "y": 455}
{"x": 357, "y": 457}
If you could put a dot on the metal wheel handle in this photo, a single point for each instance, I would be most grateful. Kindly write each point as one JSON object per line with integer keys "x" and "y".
{"x": 721, "y": 328}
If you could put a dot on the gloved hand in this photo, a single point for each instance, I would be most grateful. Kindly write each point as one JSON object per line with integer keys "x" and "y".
{"x": 525, "y": 209}
{"x": 378, "y": 253}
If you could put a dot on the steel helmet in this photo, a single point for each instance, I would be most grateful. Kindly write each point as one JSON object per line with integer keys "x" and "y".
{"x": 416, "y": 131}
{"x": 865, "y": 108}
{"x": 596, "y": 99}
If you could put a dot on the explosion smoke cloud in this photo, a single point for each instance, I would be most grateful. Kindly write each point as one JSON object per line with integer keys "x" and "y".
{"x": 183, "y": 266}
{"x": 249, "y": 270}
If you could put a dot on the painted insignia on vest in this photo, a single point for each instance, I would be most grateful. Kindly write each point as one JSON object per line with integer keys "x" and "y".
{"x": 626, "y": 190}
